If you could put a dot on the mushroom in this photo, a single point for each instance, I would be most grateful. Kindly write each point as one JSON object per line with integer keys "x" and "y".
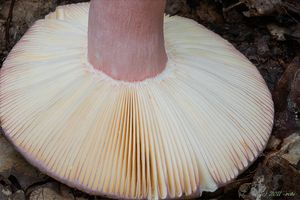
{"x": 116, "y": 99}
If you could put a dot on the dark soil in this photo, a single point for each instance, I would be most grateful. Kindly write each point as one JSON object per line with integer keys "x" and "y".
{"x": 266, "y": 31}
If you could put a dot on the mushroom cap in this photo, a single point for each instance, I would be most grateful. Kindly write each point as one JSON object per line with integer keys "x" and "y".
{"x": 192, "y": 128}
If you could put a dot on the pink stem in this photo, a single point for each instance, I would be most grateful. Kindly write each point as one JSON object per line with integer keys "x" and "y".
{"x": 125, "y": 38}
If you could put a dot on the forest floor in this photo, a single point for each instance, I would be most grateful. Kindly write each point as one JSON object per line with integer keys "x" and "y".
{"x": 267, "y": 32}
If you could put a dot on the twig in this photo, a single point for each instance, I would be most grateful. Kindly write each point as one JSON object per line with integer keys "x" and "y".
{"x": 232, "y": 6}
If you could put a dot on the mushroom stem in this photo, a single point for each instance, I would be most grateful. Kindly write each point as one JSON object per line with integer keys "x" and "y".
{"x": 125, "y": 38}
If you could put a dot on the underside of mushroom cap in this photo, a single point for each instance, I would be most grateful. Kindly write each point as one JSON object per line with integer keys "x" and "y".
{"x": 192, "y": 128}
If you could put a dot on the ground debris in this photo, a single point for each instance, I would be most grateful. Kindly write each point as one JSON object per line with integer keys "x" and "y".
{"x": 48, "y": 191}
{"x": 274, "y": 179}
{"x": 178, "y": 7}
{"x": 278, "y": 32}
{"x": 286, "y": 100}
{"x": 19, "y": 195}
{"x": 294, "y": 98}
{"x": 291, "y": 149}
{"x": 283, "y": 86}
{"x": 273, "y": 143}
{"x": 277, "y": 176}
{"x": 261, "y": 7}
{"x": 15, "y": 168}
{"x": 282, "y": 33}
{"x": 263, "y": 30}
